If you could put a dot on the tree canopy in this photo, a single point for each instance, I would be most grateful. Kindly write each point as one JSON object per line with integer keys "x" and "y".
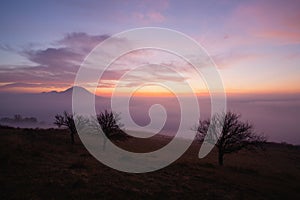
{"x": 229, "y": 134}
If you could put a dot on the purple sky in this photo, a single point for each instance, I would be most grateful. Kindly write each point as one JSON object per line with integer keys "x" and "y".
{"x": 255, "y": 44}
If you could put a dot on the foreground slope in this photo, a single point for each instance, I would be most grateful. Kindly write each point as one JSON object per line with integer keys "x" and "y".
{"x": 42, "y": 164}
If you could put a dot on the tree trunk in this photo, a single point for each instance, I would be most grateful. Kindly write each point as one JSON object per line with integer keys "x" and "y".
{"x": 221, "y": 155}
{"x": 72, "y": 138}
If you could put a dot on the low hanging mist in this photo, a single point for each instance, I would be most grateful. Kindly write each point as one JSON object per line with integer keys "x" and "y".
{"x": 276, "y": 116}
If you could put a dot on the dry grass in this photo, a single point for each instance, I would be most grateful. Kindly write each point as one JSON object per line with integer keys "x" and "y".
{"x": 42, "y": 164}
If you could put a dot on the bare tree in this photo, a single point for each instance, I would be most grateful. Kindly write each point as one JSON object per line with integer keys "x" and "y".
{"x": 66, "y": 120}
{"x": 109, "y": 122}
{"x": 111, "y": 126}
{"x": 233, "y": 136}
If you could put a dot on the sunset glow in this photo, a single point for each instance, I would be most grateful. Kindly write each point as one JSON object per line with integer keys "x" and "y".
{"x": 255, "y": 44}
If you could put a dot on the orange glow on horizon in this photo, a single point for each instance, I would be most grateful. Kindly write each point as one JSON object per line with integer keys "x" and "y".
{"x": 107, "y": 92}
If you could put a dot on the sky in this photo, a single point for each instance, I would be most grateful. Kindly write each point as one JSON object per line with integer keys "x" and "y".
{"x": 254, "y": 44}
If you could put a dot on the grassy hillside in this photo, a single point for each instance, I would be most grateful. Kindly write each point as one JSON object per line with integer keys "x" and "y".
{"x": 42, "y": 164}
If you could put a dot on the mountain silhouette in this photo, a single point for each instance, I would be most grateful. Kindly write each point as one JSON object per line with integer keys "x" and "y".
{"x": 70, "y": 90}
{"x": 45, "y": 105}
{"x": 78, "y": 88}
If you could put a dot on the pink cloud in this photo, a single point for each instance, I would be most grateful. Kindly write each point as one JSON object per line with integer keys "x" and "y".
{"x": 276, "y": 22}
{"x": 52, "y": 66}
{"x": 33, "y": 85}
{"x": 280, "y": 36}
{"x": 253, "y": 24}
{"x": 57, "y": 66}
{"x": 81, "y": 42}
{"x": 233, "y": 59}
{"x": 144, "y": 12}
{"x": 146, "y": 18}
{"x": 156, "y": 17}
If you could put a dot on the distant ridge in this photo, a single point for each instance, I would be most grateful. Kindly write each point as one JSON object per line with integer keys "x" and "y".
{"x": 77, "y": 88}
{"x": 45, "y": 105}
{"x": 69, "y": 91}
